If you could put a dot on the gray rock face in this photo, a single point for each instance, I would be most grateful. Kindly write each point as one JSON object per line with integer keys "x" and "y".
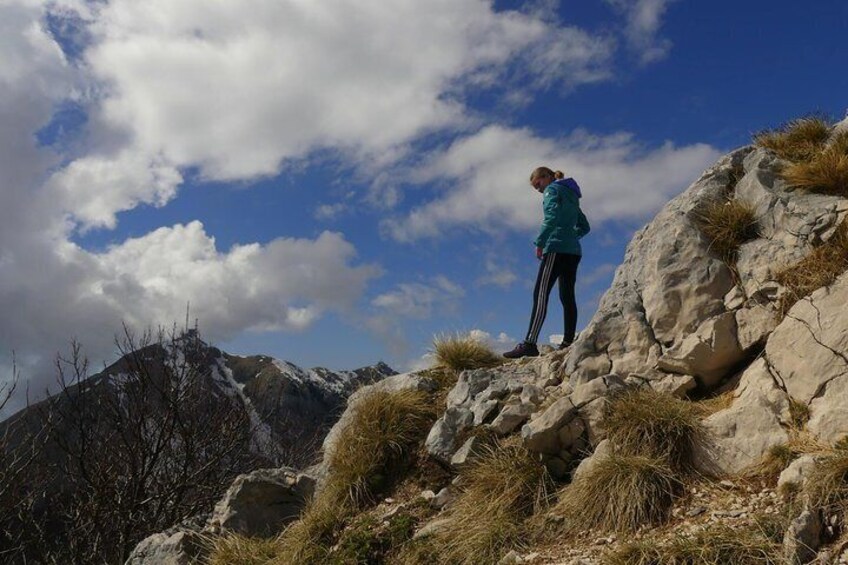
{"x": 181, "y": 545}
{"x": 807, "y": 354}
{"x": 562, "y": 428}
{"x": 708, "y": 354}
{"x": 258, "y": 504}
{"x": 755, "y": 422}
{"x": 667, "y": 286}
{"x": 803, "y": 538}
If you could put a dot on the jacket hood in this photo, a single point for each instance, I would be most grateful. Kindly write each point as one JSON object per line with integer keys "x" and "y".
{"x": 571, "y": 184}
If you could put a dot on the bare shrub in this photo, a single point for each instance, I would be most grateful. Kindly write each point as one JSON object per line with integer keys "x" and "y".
{"x": 147, "y": 443}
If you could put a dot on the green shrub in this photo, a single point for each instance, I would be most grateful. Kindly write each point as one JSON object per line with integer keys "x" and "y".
{"x": 461, "y": 352}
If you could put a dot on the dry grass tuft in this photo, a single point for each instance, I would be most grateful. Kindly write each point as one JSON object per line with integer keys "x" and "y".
{"x": 820, "y": 268}
{"x": 461, "y": 352}
{"x": 824, "y": 173}
{"x": 499, "y": 492}
{"x": 799, "y": 140}
{"x": 709, "y": 406}
{"x": 645, "y": 422}
{"x": 715, "y": 545}
{"x": 384, "y": 430}
{"x": 234, "y": 549}
{"x": 620, "y": 493}
{"x": 727, "y": 224}
{"x": 827, "y": 485}
{"x": 371, "y": 452}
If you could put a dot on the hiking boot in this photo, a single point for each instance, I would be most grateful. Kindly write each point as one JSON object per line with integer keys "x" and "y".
{"x": 564, "y": 345}
{"x": 523, "y": 349}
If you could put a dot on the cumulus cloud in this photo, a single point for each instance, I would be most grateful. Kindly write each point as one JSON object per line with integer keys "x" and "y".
{"x": 420, "y": 300}
{"x": 488, "y": 174}
{"x": 643, "y": 22}
{"x": 496, "y": 274}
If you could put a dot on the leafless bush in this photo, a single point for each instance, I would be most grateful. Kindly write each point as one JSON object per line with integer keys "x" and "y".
{"x": 148, "y": 442}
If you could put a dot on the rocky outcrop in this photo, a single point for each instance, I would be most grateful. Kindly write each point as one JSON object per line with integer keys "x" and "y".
{"x": 261, "y": 502}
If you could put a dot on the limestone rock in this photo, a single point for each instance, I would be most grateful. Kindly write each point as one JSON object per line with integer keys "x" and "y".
{"x": 797, "y": 471}
{"x": 542, "y": 434}
{"x": 807, "y": 354}
{"x": 752, "y": 425}
{"x": 177, "y": 546}
{"x": 754, "y": 325}
{"x": 602, "y": 450}
{"x": 802, "y": 538}
{"x": 675, "y": 385}
{"x": 709, "y": 354}
{"x": 667, "y": 286}
{"x": 468, "y": 452}
{"x": 441, "y": 441}
{"x": 510, "y": 418}
{"x": 258, "y": 504}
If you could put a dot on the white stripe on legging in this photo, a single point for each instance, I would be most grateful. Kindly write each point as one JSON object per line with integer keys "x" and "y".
{"x": 542, "y": 301}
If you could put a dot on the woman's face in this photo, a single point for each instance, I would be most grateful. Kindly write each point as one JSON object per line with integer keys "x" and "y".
{"x": 540, "y": 182}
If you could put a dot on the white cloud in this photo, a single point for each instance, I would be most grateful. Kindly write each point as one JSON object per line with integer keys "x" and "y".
{"x": 643, "y": 22}
{"x": 496, "y": 274}
{"x": 329, "y": 211}
{"x": 488, "y": 175}
{"x": 420, "y": 301}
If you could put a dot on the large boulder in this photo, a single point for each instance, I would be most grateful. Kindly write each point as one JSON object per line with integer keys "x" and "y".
{"x": 754, "y": 423}
{"x": 258, "y": 504}
{"x": 667, "y": 286}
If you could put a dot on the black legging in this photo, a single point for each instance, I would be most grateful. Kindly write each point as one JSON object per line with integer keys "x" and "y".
{"x": 560, "y": 267}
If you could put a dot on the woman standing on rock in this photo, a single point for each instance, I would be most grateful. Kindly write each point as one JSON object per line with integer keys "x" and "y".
{"x": 558, "y": 247}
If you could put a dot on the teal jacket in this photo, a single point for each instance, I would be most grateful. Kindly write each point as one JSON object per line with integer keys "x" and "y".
{"x": 564, "y": 223}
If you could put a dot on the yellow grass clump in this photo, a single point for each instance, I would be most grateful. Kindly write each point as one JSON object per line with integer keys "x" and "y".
{"x": 645, "y": 422}
{"x": 619, "y": 493}
{"x": 233, "y": 549}
{"x": 715, "y": 545}
{"x": 727, "y": 224}
{"x": 370, "y": 455}
{"x": 825, "y": 172}
{"x": 820, "y": 268}
{"x": 460, "y": 352}
{"x": 499, "y": 492}
{"x": 798, "y": 140}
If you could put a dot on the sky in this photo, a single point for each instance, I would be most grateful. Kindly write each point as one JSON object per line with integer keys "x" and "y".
{"x": 336, "y": 182}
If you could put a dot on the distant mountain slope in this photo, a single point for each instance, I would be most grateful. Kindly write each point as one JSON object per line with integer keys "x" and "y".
{"x": 151, "y": 440}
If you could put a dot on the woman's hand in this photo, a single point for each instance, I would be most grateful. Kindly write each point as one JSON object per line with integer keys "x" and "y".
{"x": 539, "y": 253}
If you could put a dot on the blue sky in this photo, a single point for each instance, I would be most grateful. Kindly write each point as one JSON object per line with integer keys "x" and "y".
{"x": 333, "y": 183}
